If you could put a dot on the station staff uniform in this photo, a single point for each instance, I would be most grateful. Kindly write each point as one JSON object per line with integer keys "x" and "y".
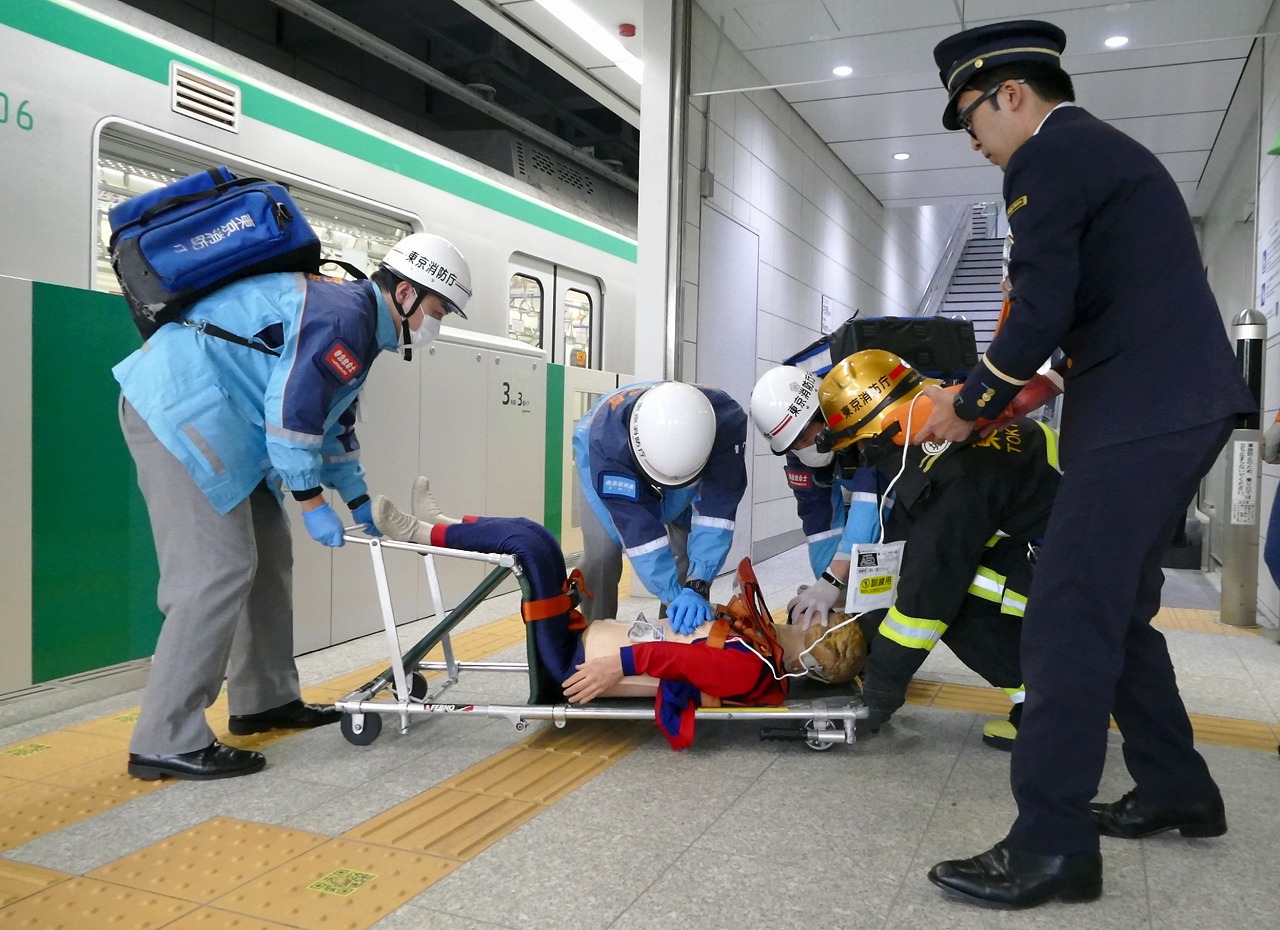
{"x": 670, "y": 534}
{"x": 1105, "y": 265}
{"x": 215, "y": 428}
{"x": 972, "y": 516}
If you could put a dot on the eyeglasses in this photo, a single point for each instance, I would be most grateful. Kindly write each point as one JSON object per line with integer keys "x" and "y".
{"x": 965, "y": 117}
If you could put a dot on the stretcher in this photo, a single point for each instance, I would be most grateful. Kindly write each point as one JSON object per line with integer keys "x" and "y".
{"x": 402, "y": 690}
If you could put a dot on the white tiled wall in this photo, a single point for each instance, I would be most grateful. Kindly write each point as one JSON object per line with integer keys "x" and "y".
{"x": 821, "y": 233}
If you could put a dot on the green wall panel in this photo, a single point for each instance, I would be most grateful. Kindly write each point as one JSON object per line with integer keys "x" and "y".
{"x": 93, "y": 584}
{"x": 552, "y": 509}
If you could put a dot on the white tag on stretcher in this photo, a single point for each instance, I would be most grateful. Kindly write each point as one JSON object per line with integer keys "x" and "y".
{"x": 873, "y": 576}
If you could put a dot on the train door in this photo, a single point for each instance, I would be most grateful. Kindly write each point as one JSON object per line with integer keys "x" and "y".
{"x": 557, "y": 309}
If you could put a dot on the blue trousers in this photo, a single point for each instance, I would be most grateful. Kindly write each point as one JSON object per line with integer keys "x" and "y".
{"x": 1089, "y": 651}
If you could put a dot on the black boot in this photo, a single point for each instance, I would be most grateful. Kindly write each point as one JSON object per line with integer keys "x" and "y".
{"x": 1131, "y": 819}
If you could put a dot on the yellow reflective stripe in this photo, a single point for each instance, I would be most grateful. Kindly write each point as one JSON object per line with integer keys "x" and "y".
{"x": 987, "y": 585}
{"x": 912, "y": 632}
{"x": 1000, "y": 534}
{"x": 1017, "y": 695}
{"x": 1050, "y": 445}
{"x": 1013, "y": 603}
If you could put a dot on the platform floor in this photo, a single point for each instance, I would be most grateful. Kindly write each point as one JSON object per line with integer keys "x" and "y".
{"x": 468, "y": 825}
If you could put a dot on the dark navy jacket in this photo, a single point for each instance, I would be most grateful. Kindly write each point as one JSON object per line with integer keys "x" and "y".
{"x": 1105, "y": 265}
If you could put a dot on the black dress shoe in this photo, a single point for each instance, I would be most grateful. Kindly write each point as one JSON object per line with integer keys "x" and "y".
{"x": 217, "y": 760}
{"x": 1009, "y": 878}
{"x": 295, "y": 715}
{"x": 1130, "y": 819}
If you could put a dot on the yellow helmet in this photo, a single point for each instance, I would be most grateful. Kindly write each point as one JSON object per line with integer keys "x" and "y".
{"x": 859, "y": 393}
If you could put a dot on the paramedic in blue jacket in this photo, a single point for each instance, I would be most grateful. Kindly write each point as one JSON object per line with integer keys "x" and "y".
{"x": 1104, "y": 265}
{"x": 219, "y": 431}
{"x": 837, "y": 505}
{"x": 660, "y": 474}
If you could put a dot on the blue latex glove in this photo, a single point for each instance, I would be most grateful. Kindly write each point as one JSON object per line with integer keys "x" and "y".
{"x": 323, "y": 525}
{"x": 688, "y": 610}
{"x": 364, "y": 515}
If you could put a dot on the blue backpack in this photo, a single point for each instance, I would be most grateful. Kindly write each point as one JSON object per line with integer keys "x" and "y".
{"x": 176, "y": 244}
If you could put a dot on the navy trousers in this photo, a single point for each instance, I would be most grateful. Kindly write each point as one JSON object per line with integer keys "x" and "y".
{"x": 1089, "y": 650}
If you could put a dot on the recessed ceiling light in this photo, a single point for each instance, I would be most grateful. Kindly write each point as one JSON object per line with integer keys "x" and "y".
{"x": 901, "y": 156}
{"x": 1116, "y": 42}
{"x": 842, "y": 71}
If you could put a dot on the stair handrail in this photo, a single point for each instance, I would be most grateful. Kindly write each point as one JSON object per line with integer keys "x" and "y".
{"x": 933, "y": 296}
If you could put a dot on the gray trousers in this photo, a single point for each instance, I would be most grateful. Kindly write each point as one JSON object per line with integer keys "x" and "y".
{"x": 226, "y": 592}
{"x": 601, "y": 562}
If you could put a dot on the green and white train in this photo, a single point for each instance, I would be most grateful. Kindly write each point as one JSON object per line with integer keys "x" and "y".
{"x": 94, "y": 110}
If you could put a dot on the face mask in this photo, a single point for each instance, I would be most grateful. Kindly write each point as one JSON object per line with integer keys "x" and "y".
{"x": 810, "y": 456}
{"x": 425, "y": 334}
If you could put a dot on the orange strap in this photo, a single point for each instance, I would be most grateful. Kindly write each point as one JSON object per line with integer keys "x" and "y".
{"x": 547, "y": 607}
{"x": 718, "y": 634}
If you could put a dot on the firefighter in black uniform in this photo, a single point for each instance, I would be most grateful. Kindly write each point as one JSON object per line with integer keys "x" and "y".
{"x": 972, "y": 515}
{"x": 1105, "y": 266}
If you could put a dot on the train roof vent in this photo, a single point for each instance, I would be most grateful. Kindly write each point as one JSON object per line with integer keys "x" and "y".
{"x": 539, "y": 166}
{"x": 203, "y": 97}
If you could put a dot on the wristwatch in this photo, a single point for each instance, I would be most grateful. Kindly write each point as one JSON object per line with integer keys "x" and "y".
{"x": 698, "y": 586}
{"x": 832, "y": 579}
{"x": 963, "y": 410}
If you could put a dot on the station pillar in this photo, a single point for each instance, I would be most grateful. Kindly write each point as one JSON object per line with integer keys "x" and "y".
{"x": 1244, "y": 482}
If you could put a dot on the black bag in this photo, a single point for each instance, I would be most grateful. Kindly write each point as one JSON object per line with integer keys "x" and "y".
{"x": 937, "y": 347}
{"x": 176, "y": 244}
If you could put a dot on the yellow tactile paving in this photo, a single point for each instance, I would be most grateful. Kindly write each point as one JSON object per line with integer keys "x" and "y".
{"x": 969, "y": 698}
{"x": 31, "y": 809}
{"x": 208, "y": 918}
{"x": 447, "y": 822}
{"x": 529, "y": 775}
{"x": 209, "y": 860}
{"x": 82, "y": 904}
{"x": 339, "y": 885}
{"x": 1228, "y": 731}
{"x": 104, "y": 777}
{"x": 1189, "y": 620}
{"x": 34, "y": 759}
{"x": 19, "y": 880}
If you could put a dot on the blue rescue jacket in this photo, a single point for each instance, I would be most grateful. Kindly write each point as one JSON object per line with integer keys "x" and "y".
{"x": 838, "y": 507}
{"x": 234, "y": 416}
{"x": 636, "y": 514}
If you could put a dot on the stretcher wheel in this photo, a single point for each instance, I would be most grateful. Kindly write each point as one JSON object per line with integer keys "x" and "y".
{"x": 418, "y": 689}
{"x": 811, "y": 728}
{"x": 371, "y": 727}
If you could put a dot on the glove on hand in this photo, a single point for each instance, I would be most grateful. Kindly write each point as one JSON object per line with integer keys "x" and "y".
{"x": 324, "y": 526}
{"x": 813, "y": 604}
{"x": 1271, "y": 444}
{"x": 364, "y": 516}
{"x": 688, "y": 610}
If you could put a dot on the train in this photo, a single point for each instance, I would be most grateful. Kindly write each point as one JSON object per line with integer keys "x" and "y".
{"x": 95, "y": 109}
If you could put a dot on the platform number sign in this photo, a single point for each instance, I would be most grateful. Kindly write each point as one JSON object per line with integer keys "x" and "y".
{"x": 16, "y": 114}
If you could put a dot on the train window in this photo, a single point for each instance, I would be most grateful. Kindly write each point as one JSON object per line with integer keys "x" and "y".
{"x": 524, "y": 309}
{"x": 130, "y": 163}
{"x": 578, "y": 323}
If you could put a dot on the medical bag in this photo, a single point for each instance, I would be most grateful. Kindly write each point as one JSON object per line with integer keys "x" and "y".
{"x": 172, "y": 246}
{"x": 936, "y": 346}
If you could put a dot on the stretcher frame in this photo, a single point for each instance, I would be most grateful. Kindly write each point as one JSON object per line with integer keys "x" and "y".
{"x": 401, "y": 689}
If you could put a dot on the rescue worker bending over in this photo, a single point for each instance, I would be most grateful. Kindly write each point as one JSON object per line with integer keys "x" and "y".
{"x": 834, "y": 503}
{"x": 971, "y": 514}
{"x": 660, "y": 475}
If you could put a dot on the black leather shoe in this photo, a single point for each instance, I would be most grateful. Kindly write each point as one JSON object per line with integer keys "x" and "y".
{"x": 1009, "y": 878}
{"x": 217, "y": 760}
{"x": 1130, "y": 819}
{"x": 295, "y": 715}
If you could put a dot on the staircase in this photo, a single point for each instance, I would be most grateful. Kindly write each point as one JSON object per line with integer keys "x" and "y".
{"x": 974, "y": 291}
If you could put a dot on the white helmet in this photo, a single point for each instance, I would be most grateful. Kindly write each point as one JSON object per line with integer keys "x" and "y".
{"x": 673, "y": 427}
{"x": 783, "y": 403}
{"x": 433, "y": 263}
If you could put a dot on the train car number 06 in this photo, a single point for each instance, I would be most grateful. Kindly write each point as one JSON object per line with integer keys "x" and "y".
{"x": 22, "y": 117}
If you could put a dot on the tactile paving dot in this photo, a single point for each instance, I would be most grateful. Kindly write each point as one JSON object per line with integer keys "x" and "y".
{"x": 19, "y": 880}
{"x": 208, "y": 918}
{"x": 208, "y": 860}
{"x": 28, "y": 809}
{"x": 288, "y": 894}
{"x": 85, "y": 904}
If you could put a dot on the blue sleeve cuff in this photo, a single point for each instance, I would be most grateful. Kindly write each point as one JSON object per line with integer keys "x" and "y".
{"x": 628, "y": 660}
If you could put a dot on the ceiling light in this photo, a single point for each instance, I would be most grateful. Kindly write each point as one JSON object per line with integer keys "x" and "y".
{"x": 901, "y": 156}
{"x": 1116, "y": 42}
{"x": 842, "y": 71}
{"x": 594, "y": 35}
